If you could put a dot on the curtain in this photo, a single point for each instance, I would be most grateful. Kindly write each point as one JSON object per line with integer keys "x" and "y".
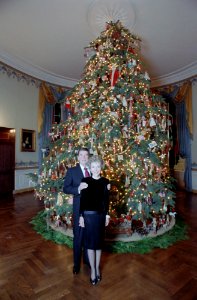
{"x": 184, "y": 140}
{"x": 48, "y": 96}
{"x": 181, "y": 95}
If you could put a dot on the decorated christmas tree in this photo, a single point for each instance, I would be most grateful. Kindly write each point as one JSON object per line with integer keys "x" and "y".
{"x": 113, "y": 113}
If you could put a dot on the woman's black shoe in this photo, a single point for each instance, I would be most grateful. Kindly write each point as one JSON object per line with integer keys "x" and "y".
{"x": 93, "y": 281}
{"x": 98, "y": 278}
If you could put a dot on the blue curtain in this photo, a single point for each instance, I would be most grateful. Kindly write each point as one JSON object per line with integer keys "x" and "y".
{"x": 43, "y": 136}
{"x": 184, "y": 142}
{"x": 184, "y": 138}
{"x": 59, "y": 97}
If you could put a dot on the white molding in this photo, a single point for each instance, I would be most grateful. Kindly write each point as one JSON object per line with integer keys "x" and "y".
{"x": 176, "y": 76}
{"x": 44, "y": 75}
{"x": 35, "y": 71}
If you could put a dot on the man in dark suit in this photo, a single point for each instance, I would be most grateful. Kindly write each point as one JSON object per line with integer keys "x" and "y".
{"x": 73, "y": 185}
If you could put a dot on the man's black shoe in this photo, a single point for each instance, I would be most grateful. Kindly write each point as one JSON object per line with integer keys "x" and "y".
{"x": 75, "y": 270}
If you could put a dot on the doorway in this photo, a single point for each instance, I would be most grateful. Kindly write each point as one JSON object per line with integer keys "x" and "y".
{"x": 7, "y": 161}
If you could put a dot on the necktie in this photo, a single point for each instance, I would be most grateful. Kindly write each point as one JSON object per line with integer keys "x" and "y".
{"x": 87, "y": 174}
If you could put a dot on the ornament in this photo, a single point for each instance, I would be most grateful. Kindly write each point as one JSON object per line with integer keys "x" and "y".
{"x": 165, "y": 207}
{"x": 127, "y": 181}
{"x": 131, "y": 50}
{"x": 134, "y": 62}
{"x": 82, "y": 91}
{"x": 152, "y": 122}
{"x": 151, "y": 169}
{"x": 114, "y": 114}
{"x": 143, "y": 121}
{"x": 67, "y": 104}
{"x": 124, "y": 101}
{"x": 43, "y": 152}
{"x": 162, "y": 194}
{"x": 86, "y": 120}
{"x": 114, "y": 75}
{"x": 93, "y": 83}
{"x": 130, "y": 65}
{"x": 140, "y": 207}
{"x": 69, "y": 147}
{"x": 152, "y": 144}
{"x": 154, "y": 224}
{"x": 172, "y": 214}
{"x": 125, "y": 131}
{"x": 59, "y": 199}
{"x": 89, "y": 52}
{"x": 140, "y": 138}
{"x": 163, "y": 123}
{"x": 120, "y": 157}
{"x": 104, "y": 78}
{"x": 146, "y": 76}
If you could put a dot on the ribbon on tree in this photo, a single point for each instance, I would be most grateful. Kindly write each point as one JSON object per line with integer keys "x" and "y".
{"x": 114, "y": 75}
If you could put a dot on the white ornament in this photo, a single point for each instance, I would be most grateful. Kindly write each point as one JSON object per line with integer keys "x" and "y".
{"x": 124, "y": 102}
{"x": 152, "y": 144}
{"x": 163, "y": 124}
{"x": 146, "y": 76}
{"x": 114, "y": 114}
{"x": 59, "y": 199}
{"x": 173, "y": 214}
{"x": 143, "y": 121}
{"x": 140, "y": 207}
{"x": 165, "y": 207}
{"x": 120, "y": 157}
{"x": 82, "y": 90}
{"x": 134, "y": 62}
{"x": 140, "y": 138}
{"x": 152, "y": 122}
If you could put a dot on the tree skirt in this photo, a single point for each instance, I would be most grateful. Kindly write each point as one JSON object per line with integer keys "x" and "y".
{"x": 139, "y": 244}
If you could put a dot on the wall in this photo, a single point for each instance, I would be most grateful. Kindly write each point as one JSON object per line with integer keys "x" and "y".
{"x": 194, "y": 110}
{"x": 18, "y": 109}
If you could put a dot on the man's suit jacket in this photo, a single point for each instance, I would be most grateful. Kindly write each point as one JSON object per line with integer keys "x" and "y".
{"x": 72, "y": 181}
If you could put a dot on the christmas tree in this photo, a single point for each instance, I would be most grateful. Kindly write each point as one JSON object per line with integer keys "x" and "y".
{"x": 113, "y": 112}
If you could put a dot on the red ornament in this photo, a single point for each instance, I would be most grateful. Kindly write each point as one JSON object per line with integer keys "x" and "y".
{"x": 131, "y": 50}
{"x": 114, "y": 76}
{"x": 67, "y": 104}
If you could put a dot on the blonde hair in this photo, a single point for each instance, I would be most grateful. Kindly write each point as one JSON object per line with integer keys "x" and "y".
{"x": 95, "y": 158}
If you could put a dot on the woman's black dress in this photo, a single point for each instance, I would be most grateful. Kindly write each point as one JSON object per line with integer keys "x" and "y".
{"x": 94, "y": 205}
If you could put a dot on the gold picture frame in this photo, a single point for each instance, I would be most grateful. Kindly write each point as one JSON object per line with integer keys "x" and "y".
{"x": 28, "y": 140}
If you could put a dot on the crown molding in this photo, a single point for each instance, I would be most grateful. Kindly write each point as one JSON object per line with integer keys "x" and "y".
{"x": 176, "y": 76}
{"x": 44, "y": 75}
{"x": 35, "y": 71}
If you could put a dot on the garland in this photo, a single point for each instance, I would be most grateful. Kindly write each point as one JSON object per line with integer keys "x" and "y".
{"x": 146, "y": 245}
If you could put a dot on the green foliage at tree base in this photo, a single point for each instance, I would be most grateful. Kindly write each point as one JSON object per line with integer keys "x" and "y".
{"x": 146, "y": 245}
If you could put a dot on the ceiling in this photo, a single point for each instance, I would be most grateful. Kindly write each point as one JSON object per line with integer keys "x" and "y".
{"x": 46, "y": 39}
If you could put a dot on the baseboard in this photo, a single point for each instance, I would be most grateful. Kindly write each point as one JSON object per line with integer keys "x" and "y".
{"x": 29, "y": 189}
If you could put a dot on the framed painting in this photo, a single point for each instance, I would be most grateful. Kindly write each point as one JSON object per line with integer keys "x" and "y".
{"x": 28, "y": 140}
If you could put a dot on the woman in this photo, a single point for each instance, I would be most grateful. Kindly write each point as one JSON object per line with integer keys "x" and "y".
{"x": 94, "y": 205}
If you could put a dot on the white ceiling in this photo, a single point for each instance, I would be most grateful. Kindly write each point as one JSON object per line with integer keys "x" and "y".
{"x": 46, "y": 38}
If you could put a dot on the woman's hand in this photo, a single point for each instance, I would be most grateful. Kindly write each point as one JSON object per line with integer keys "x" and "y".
{"x": 81, "y": 221}
{"x": 83, "y": 185}
{"x": 107, "y": 218}
{"x": 109, "y": 186}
